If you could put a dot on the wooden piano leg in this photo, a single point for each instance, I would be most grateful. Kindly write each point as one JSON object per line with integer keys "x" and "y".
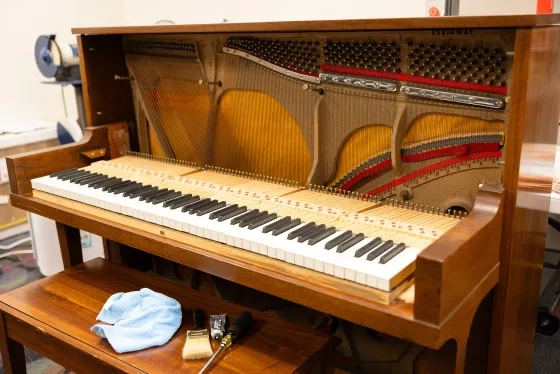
{"x": 460, "y": 357}
{"x": 70, "y": 245}
{"x": 13, "y": 356}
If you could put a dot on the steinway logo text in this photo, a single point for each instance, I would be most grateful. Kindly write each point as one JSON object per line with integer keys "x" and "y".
{"x": 446, "y": 32}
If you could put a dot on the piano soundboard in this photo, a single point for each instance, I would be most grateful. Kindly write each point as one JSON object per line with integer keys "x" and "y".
{"x": 342, "y": 235}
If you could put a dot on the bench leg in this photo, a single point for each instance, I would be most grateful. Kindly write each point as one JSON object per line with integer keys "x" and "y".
{"x": 13, "y": 355}
{"x": 70, "y": 245}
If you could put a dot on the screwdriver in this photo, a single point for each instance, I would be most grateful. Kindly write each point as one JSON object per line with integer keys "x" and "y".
{"x": 241, "y": 325}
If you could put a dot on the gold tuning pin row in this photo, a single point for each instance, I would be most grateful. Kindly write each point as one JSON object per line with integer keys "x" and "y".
{"x": 342, "y": 193}
{"x": 166, "y": 160}
{"x": 244, "y": 174}
{"x": 425, "y": 208}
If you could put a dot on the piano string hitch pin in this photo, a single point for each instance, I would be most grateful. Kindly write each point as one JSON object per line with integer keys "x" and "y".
{"x": 206, "y": 83}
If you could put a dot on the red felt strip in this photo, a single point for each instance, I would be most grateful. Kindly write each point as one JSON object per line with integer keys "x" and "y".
{"x": 432, "y": 168}
{"x": 366, "y": 173}
{"x": 459, "y": 150}
{"x": 415, "y": 79}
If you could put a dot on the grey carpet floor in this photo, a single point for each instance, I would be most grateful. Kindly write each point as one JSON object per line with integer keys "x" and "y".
{"x": 546, "y": 354}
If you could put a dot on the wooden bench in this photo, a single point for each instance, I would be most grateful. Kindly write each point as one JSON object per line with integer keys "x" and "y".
{"x": 54, "y": 315}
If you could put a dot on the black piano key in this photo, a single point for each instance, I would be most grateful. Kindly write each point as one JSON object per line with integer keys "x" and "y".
{"x": 112, "y": 187}
{"x": 123, "y": 184}
{"x": 150, "y": 198}
{"x": 102, "y": 183}
{"x": 140, "y": 192}
{"x": 254, "y": 224}
{"x": 212, "y": 208}
{"x": 235, "y": 213}
{"x": 178, "y": 204}
{"x": 195, "y": 204}
{"x": 379, "y": 250}
{"x": 85, "y": 178}
{"x": 282, "y": 229}
{"x": 73, "y": 175}
{"x": 131, "y": 187}
{"x": 70, "y": 178}
{"x": 350, "y": 242}
{"x": 109, "y": 182}
{"x": 392, "y": 253}
{"x": 81, "y": 177}
{"x": 325, "y": 234}
{"x": 67, "y": 172}
{"x": 96, "y": 179}
{"x": 165, "y": 197}
{"x": 139, "y": 188}
{"x": 339, "y": 239}
{"x": 116, "y": 182}
{"x": 244, "y": 217}
{"x": 209, "y": 204}
{"x": 70, "y": 175}
{"x": 248, "y": 221}
{"x": 368, "y": 247}
{"x": 294, "y": 234}
{"x": 259, "y": 220}
{"x": 63, "y": 172}
{"x": 311, "y": 233}
{"x": 223, "y": 211}
{"x": 155, "y": 192}
{"x": 274, "y": 225}
{"x": 177, "y": 200}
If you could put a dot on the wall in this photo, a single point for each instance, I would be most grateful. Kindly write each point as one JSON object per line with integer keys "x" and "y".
{"x": 21, "y": 22}
{"x": 493, "y": 7}
{"x": 179, "y": 11}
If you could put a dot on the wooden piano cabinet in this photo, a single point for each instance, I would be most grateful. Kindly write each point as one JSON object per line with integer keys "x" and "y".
{"x": 493, "y": 258}
{"x": 534, "y": 108}
{"x": 25, "y": 167}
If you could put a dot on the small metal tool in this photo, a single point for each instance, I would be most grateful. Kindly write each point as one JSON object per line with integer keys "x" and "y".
{"x": 241, "y": 325}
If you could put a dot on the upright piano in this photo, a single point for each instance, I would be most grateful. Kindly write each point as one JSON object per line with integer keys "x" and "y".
{"x": 368, "y": 169}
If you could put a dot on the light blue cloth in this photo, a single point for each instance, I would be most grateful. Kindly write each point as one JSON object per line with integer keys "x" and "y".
{"x": 139, "y": 320}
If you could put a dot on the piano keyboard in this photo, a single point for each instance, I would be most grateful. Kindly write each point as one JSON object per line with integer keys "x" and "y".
{"x": 360, "y": 241}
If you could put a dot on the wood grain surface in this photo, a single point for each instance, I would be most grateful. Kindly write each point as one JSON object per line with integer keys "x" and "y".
{"x": 101, "y": 58}
{"x": 448, "y": 270}
{"x": 533, "y": 123}
{"x": 69, "y": 302}
{"x": 328, "y": 294}
{"x": 26, "y": 166}
{"x": 338, "y": 25}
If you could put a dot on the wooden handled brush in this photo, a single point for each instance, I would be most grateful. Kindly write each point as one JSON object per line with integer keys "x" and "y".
{"x": 197, "y": 345}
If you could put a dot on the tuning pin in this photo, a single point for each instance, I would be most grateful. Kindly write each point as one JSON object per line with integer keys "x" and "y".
{"x": 422, "y": 207}
{"x": 454, "y": 214}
